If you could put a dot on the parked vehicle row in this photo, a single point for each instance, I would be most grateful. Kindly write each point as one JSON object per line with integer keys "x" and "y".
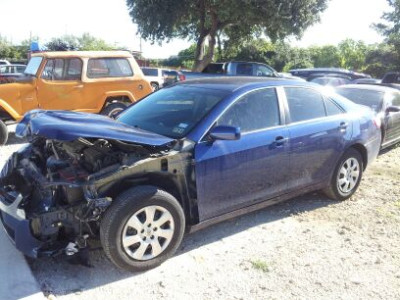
{"x": 184, "y": 157}
{"x": 96, "y": 82}
{"x": 234, "y": 68}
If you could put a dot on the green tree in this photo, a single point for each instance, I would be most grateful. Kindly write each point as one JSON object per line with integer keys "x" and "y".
{"x": 88, "y": 42}
{"x": 352, "y": 54}
{"x": 85, "y": 42}
{"x": 203, "y": 20}
{"x": 391, "y": 28}
{"x": 325, "y": 56}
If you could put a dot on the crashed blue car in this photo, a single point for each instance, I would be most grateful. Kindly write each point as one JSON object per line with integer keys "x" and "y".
{"x": 183, "y": 158}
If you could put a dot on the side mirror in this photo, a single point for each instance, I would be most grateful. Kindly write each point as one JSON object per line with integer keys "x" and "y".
{"x": 225, "y": 133}
{"x": 392, "y": 109}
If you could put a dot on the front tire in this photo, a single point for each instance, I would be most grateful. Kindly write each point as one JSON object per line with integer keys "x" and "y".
{"x": 154, "y": 86}
{"x": 142, "y": 228}
{"x": 346, "y": 177}
{"x": 3, "y": 133}
{"x": 112, "y": 109}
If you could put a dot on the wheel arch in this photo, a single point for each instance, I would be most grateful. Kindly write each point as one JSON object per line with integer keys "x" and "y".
{"x": 170, "y": 185}
{"x": 124, "y": 97}
{"x": 363, "y": 151}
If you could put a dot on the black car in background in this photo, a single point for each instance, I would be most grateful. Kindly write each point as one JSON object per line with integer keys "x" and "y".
{"x": 330, "y": 80}
{"x": 173, "y": 76}
{"x": 316, "y": 72}
{"x": 385, "y": 101}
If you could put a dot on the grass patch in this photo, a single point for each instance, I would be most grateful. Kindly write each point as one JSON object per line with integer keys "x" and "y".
{"x": 260, "y": 265}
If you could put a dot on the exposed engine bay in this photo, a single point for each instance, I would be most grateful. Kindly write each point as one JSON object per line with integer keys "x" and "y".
{"x": 63, "y": 188}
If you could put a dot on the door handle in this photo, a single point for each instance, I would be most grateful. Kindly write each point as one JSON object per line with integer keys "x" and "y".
{"x": 280, "y": 140}
{"x": 343, "y": 126}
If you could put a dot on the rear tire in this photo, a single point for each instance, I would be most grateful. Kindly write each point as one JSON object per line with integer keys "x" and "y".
{"x": 346, "y": 177}
{"x": 142, "y": 228}
{"x": 154, "y": 86}
{"x": 112, "y": 109}
{"x": 3, "y": 133}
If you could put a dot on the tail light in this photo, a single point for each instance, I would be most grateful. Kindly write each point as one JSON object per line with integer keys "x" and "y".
{"x": 377, "y": 121}
{"x": 182, "y": 77}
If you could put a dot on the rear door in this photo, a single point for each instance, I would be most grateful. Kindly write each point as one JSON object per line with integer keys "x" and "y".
{"x": 318, "y": 131}
{"x": 234, "y": 174}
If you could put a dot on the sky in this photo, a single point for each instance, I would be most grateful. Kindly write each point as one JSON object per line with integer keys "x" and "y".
{"x": 109, "y": 20}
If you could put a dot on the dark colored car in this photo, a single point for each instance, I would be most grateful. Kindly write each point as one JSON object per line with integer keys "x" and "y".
{"x": 384, "y": 101}
{"x": 330, "y": 80}
{"x": 307, "y": 73}
{"x": 173, "y": 76}
{"x": 234, "y": 68}
{"x": 391, "y": 77}
{"x": 185, "y": 157}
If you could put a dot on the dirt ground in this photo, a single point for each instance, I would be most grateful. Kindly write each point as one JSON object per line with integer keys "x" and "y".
{"x": 306, "y": 248}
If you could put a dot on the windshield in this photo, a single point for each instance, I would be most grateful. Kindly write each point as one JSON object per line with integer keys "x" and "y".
{"x": 172, "y": 112}
{"x": 370, "y": 98}
{"x": 33, "y": 65}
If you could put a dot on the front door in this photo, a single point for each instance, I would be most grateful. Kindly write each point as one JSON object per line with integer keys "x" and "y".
{"x": 234, "y": 174}
{"x": 60, "y": 85}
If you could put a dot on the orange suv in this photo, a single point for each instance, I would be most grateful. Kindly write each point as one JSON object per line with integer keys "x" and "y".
{"x": 87, "y": 81}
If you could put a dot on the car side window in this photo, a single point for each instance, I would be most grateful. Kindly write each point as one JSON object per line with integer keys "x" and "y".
{"x": 109, "y": 67}
{"x": 74, "y": 69}
{"x": 254, "y": 111}
{"x": 332, "y": 108}
{"x": 304, "y": 104}
{"x": 263, "y": 71}
{"x": 244, "y": 69}
{"x": 59, "y": 69}
{"x": 48, "y": 70}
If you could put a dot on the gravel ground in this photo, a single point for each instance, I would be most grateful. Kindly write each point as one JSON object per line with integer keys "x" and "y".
{"x": 306, "y": 248}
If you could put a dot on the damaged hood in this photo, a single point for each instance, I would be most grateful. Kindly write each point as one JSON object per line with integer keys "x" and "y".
{"x": 68, "y": 126}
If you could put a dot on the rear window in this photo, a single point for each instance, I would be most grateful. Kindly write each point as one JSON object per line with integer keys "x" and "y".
{"x": 304, "y": 104}
{"x": 109, "y": 67}
{"x": 150, "y": 72}
{"x": 372, "y": 99}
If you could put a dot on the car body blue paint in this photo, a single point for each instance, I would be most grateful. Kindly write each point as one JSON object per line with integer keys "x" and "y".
{"x": 68, "y": 126}
{"x": 230, "y": 175}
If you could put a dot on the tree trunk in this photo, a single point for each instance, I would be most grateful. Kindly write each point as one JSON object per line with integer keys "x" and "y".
{"x": 201, "y": 59}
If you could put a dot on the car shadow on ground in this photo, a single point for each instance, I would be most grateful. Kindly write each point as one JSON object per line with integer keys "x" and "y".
{"x": 59, "y": 277}
{"x": 388, "y": 149}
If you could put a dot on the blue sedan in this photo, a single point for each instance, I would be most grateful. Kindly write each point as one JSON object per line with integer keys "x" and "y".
{"x": 184, "y": 157}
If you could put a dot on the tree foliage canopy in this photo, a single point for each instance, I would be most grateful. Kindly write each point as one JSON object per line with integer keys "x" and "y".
{"x": 85, "y": 42}
{"x": 204, "y": 20}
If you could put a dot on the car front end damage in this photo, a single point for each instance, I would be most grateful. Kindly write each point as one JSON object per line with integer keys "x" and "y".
{"x": 53, "y": 193}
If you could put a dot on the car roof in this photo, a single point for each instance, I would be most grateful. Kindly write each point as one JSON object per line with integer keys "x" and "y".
{"x": 88, "y": 54}
{"x": 14, "y": 65}
{"x": 370, "y": 87}
{"x": 232, "y": 83}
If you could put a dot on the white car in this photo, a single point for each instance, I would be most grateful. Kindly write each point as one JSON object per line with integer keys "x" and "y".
{"x": 4, "y": 62}
{"x": 155, "y": 76}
